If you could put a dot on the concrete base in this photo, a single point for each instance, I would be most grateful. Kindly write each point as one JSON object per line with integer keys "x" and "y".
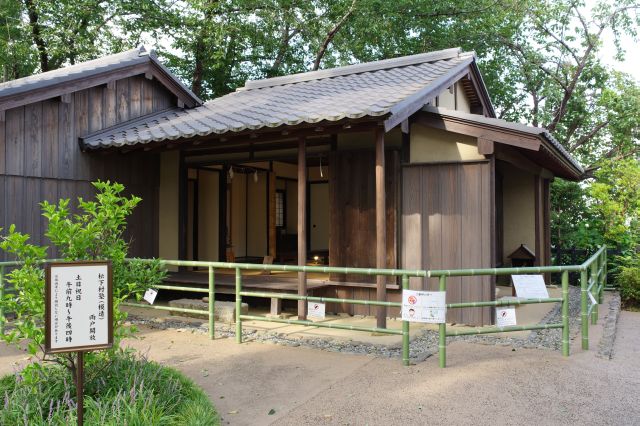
{"x": 224, "y": 311}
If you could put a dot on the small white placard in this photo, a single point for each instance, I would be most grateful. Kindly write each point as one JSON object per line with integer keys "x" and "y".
{"x": 530, "y": 286}
{"x": 424, "y": 306}
{"x": 150, "y": 295}
{"x": 79, "y": 306}
{"x": 505, "y": 316}
{"x": 316, "y": 310}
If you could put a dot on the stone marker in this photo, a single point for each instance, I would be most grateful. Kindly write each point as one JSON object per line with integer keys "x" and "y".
{"x": 224, "y": 311}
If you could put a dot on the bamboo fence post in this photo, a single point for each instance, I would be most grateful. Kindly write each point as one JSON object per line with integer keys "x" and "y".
{"x": 405, "y": 328}
{"x": 596, "y": 287}
{"x": 565, "y": 313}
{"x": 238, "y": 306}
{"x": 584, "y": 316}
{"x": 212, "y": 304}
{"x": 2, "y": 318}
{"x": 442, "y": 330}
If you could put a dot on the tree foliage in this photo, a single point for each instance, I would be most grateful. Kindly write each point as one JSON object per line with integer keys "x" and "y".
{"x": 540, "y": 58}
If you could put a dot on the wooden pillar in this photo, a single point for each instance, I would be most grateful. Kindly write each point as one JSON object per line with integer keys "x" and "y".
{"x": 539, "y": 227}
{"x": 302, "y": 225}
{"x": 183, "y": 200}
{"x": 271, "y": 183}
{"x": 381, "y": 230}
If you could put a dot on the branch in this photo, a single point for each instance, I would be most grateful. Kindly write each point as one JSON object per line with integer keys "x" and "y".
{"x": 330, "y": 35}
{"x": 590, "y": 170}
{"x": 588, "y": 136}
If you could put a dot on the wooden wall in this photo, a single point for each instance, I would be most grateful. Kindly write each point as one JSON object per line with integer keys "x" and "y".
{"x": 447, "y": 224}
{"x": 41, "y": 157}
{"x": 352, "y": 239}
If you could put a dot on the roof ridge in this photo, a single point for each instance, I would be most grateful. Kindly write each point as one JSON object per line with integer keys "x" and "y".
{"x": 138, "y": 51}
{"x": 401, "y": 61}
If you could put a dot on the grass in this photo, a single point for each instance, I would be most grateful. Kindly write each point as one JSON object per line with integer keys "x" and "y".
{"x": 127, "y": 391}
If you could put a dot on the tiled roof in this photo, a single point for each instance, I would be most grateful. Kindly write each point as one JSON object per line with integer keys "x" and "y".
{"x": 393, "y": 88}
{"x": 87, "y": 69}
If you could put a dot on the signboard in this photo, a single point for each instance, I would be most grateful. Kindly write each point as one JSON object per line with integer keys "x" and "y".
{"x": 316, "y": 310}
{"x": 424, "y": 306}
{"x": 505, "y": 316}
{"x": 530, "y": 286}
{"x": 78, "y": 306}
{"x": 150, "y": 295}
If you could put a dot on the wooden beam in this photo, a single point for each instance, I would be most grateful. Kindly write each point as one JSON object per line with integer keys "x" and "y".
{"x": 302, "y": 225}
{"x": 512, "y": 156}
{"x": 485, "y": 146}
{"x": 381, "y": 230}
{"x": 500, "y": 135}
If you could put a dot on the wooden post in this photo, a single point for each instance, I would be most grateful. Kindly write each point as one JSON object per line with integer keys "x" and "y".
{"x": 271, "y": 183}
{"x": 302, "y": 226}
{"x": 183, "y": 200}
{"x": 381, "y": 230}
{"x": 80, "y": 387}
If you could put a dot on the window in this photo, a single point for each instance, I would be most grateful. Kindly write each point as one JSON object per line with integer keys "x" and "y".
{"x": 280, "y": 209}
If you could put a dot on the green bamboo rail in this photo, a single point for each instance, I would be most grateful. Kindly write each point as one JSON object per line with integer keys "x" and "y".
{"x": 404, "y": 332}
{"x": 210, "y": 290}
{"x": 596, "y": 266}
{"x": 593, "y": 278}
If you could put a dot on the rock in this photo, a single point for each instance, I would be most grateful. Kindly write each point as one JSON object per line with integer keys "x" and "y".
{"x": 224, "y": 311}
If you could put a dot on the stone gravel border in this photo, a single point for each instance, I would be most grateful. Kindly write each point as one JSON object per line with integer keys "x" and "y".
{"x": 605, "y": 348}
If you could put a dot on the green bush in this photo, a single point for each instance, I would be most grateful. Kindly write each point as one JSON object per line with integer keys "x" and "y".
{"x": 95, "y": 232}
{"x": 125, "y": 391}
{"x": 629, "y": 282}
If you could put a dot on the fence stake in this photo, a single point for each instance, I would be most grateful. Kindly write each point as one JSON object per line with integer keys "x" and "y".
{"x": 442, "y": 329}
{"x": 2, "y": 318}
{"x": 405, "y": 328}
{"x": 605, "y": 268}
{"x": 596, "y": 286}
{"x": 238, "y": 306}
{"x": 212, "y": 304}
{"x": 565, "y": 313}
{"x": 584, "y": 316}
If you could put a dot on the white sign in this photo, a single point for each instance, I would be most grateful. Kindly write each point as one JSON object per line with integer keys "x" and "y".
{"x": 150, "y": 295}
{"x": 505, "y": 316}
{"x": 316, "y": 310}
{"x": 530, "y": 286}
{"x": 78, "y": 307}
{"x": 424, "y": 306}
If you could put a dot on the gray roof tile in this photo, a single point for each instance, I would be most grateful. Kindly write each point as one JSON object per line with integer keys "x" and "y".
{"x": 88, "y": 69}
{"x": 373, "y": 89}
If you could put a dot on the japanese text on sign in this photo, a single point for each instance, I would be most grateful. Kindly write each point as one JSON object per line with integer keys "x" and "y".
{"x": 78, "y": 306}
{"x": 424, "y": 306}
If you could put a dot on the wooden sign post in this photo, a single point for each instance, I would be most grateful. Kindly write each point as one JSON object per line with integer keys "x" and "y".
{"x": 78, "y": 313}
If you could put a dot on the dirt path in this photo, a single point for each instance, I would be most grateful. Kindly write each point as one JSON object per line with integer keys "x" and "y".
{"x": 482, "y": 384}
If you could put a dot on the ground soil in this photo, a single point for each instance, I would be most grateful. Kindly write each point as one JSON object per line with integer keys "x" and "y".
{"x": 482, "y": 384}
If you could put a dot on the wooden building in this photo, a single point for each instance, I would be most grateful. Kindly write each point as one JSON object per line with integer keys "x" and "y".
{"x": 398, "y": 163}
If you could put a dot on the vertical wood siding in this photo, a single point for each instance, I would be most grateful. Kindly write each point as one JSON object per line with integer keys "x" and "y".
{"x": 40, "y": 158}
{"x": 446, "y": 224}
{"x": 352, "y": 238}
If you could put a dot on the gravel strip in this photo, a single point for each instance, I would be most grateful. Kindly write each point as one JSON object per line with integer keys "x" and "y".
{"x": 422, "y": 346}
{"x": 605, "y": 348}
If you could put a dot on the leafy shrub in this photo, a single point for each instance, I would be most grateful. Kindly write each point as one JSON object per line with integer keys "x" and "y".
{"x": 629, "y": 282}
{"x": 124, "y": 391}
{"x": 96, "y": 232}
